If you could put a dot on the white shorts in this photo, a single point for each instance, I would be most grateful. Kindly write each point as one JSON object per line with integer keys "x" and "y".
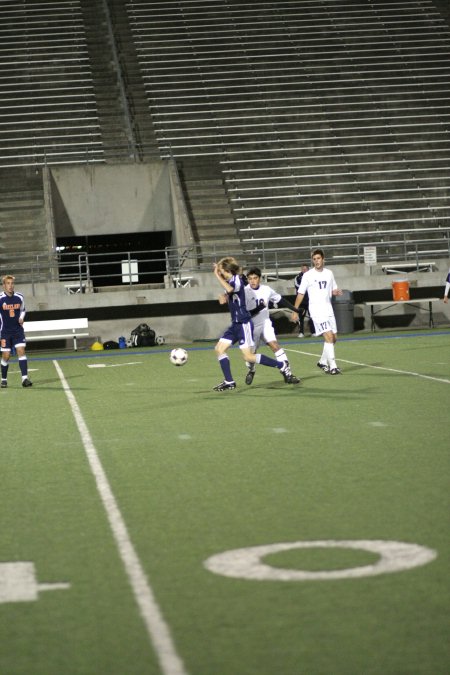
{"x": 324, "y": 324}
{"x": 264, "y": 331}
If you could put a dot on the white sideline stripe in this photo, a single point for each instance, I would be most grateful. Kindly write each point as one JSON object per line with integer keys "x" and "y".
{"x": 157, "y": 628}
{"x": 113, "y": 365}
{"x": 367, "y": 365}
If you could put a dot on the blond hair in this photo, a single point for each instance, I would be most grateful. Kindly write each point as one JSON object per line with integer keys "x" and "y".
{"x": 229, "y": 264}
{"x": 7, "y": 277}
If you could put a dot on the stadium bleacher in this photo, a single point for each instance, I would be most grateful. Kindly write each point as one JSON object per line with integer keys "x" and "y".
{"x": 293, "y": 124}
{"x": 325, "y": 118}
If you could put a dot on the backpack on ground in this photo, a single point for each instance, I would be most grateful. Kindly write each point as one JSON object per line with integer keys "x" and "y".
{"x": 110, "y": 344}
{"x": 143, "y": 336}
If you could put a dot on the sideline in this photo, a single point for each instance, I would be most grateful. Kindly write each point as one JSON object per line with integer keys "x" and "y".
{"x": 368, "y": 365}
{"x": 195, "y": 346}
{"x": 157, "y": 628}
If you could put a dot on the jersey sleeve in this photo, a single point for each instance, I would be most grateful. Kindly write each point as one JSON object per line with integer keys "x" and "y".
{"x": 333, "y": 282}
{"x": 274, "y": 297}
{"x": 303, "y": 285}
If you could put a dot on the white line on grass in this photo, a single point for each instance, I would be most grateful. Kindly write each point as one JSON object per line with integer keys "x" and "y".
{"x": 368, "y": 365}
{"x": 113, "y": 365}
{"x": 157, "y": 628}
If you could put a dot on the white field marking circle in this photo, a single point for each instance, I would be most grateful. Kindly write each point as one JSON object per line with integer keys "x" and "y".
{"x": 246, "y": 563}
{"x": 368, "y": 365}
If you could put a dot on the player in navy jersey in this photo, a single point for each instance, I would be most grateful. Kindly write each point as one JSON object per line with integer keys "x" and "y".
{"x": 241, "y": 329}
{"x": 12, "y": 336}
{"x": 447, "y": 287}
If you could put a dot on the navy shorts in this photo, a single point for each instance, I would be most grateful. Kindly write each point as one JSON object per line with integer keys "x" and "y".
{"x": 10, "y": 340}
{"x": 241, "y": 333}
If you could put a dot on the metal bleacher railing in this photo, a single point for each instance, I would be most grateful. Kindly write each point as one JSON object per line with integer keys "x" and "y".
{"x": 79, "y": 271}
{"x": 330, "y": 117}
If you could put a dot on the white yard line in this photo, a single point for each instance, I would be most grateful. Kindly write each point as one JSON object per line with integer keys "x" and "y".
{"x": 156, "y": 626}
{"x": 113, "y": 365}
{"x": 368, "y": 365}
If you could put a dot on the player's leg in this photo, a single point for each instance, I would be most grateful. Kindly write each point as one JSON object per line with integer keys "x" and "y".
{"x": 5, "y": 347}
{"x": 246, "y": 344}
{"x": 323, "y": 327}
{"x": 23, "y": 363}
{"x": 221, "y": 348}
{"x": 327, "y": 328}
{"x": 280, "y": 354}
{"x": 329, "y": 342}
{"x": 257, "y": 334}
{"x": 283, "y": 366}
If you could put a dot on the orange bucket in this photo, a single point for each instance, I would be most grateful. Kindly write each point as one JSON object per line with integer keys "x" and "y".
{"x": 400, "y": 290}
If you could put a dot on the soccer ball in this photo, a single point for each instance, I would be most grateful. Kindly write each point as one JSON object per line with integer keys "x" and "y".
{"x": 178, "y": 356}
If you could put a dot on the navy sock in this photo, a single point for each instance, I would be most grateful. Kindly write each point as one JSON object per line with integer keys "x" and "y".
{"x": 267, "y": 361}
{"x": 226, "y": 368}
{"x": 23, "y": 365}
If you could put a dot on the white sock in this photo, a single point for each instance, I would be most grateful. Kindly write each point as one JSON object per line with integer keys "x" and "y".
{"x": 328, "y": 350}
{"x": 280, "y": 355}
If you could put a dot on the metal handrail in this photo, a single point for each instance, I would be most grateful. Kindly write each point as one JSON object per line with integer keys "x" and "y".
{"x": 161, "y": 266}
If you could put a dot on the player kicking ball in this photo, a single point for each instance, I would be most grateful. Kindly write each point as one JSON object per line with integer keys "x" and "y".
{"x": 227, "y": 272}
{"x": 320, "y": 285}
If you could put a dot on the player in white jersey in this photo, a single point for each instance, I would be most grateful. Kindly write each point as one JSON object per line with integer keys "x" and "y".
{"x": 320, "y": 284}
{"x": 258, "y": 296}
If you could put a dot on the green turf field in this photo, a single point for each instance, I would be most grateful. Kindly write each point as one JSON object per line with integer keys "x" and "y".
{"x": 122, "y": 475}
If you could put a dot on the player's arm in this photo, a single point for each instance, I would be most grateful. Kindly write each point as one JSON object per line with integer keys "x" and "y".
{"x": 446, "y": 291}
{"x": 285, "y": 303}
{"x": 23, "y": 311}
{"x": 260, "y": 305}
{"x": 223, "y": 282}
{"x": 223, "y": 299}
{"x": 297, "y": 303}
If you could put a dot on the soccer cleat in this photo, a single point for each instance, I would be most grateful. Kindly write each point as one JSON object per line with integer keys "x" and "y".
{"x": 285, "y": 370}
{"x": 4, "y": 384}
{"x": 292, "y": 379}
{"x": 26, "y": 383}
{"x": 300, "y": 335}
{"x": 249, "y": 377}
{"x": 323, "y": 366}
{"x": 225, "y": 385}
{"x": 333, "y": 371}
{"x": 289, "y": 378}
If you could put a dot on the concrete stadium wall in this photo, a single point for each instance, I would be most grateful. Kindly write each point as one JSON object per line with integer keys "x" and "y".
{"x": 111, "y": 199}
{"x": 193, "y": 313}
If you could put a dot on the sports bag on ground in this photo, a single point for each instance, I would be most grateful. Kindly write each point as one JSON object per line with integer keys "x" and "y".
{"x": 143, "y": 336}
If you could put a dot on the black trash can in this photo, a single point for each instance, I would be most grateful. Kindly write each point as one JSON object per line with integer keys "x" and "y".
{"x": 344, "y": 311}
